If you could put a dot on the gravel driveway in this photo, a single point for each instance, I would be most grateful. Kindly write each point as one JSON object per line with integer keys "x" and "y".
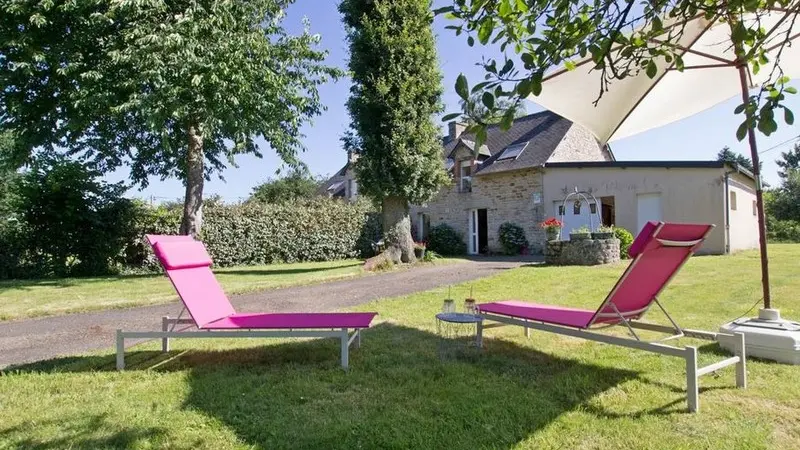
{"x": 23, "y": 341}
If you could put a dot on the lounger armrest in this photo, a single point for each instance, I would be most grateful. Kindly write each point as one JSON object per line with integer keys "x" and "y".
{"x": 671, "y": 243}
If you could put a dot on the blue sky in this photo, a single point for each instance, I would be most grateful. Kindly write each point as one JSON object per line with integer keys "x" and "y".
{"x": 696, "y": 138}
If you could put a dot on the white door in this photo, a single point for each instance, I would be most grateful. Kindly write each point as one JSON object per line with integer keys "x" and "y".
{"x": 648, "y": 207}
{"x": 473, "y": 232}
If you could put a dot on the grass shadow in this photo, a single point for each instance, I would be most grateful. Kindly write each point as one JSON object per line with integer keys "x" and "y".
{"x": 295, "y": 271}
{"x": 28, "y": 284}
{"x": 79, "y": 433}
{"x": 398, "y": 392}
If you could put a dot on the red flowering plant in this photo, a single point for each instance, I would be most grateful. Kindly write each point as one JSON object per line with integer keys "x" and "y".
{"x": 551, "y": 224}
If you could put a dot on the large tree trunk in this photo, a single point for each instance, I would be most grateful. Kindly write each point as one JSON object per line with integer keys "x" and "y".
{"x": 396, "y": 234}
{"x": 193, "y": 201}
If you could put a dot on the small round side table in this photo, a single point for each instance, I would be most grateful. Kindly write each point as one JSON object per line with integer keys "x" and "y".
{"x": 457, "y": 331}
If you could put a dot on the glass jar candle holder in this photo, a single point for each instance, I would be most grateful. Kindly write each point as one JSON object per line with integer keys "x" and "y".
{"x": 448, "y": 306}
{"x": 470, "y": 307}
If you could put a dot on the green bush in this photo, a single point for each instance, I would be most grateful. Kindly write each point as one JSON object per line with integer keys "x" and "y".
{"x": 783, "y": 230}
{"x": 444, "y": 240}
{"x": 111, "y": 239}
{"x": 66, "y": 222}
{"x": 317, "y": 230}
{"x": 512, "y": 238}
{"x": 625, "y": 240}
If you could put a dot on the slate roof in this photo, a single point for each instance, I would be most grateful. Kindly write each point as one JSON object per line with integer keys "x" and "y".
{"x": 335, "y": 183}
{"x": 470, "y": 144}
{"x": 543, "y": 131}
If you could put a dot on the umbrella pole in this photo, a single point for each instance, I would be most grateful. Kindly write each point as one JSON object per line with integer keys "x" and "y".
{"x": 762, "y": 225}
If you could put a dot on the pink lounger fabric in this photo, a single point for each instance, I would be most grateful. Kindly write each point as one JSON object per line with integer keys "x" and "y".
{"x": 659, "y": 251}
{"x": 290, "y": 320}
{"x": 572, "y": 317}
{"x": 188, "y": 267}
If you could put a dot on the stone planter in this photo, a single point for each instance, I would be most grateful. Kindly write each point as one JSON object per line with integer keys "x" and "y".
{"x": 551, "y": 233}
{"x": 419, "y": 252}
{"x": 579, "y": 236}
{"x": 603, "y": 235}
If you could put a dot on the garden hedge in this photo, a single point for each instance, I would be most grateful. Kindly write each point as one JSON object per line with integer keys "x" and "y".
{"x": 240, "y": 234}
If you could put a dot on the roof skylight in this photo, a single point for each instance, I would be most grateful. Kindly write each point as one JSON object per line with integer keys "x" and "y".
{"x": 512, "y": 151}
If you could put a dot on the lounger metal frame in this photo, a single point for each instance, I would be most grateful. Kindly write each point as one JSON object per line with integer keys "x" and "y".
{"x": 688, "y": 353}
{"x": 345, "y": 336}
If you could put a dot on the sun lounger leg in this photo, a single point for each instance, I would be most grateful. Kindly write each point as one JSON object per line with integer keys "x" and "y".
{"x": 120, "y": 350}
{"x": 741, "y": 366}
{"x": 358, "y": 338}
{"x": 692, "y": 390}
{"x": 165, "y": 328}
{"x": 345, "y": 343}
{"x": 479, "y": 335}
{"x": 527, "y": 331}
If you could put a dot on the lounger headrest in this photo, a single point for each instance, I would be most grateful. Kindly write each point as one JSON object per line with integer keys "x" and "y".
{"x": 642, "y": 239}
{"x": 182, "y": 254}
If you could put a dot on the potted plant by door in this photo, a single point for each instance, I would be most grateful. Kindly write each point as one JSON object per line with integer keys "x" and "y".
{"x": 580, "y": 234}
{"x": 419, "y": 249}
{"x": 603, "y": 232}
{"x": 552, "y": 227}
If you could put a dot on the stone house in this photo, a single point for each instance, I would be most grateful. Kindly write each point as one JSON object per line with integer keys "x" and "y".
{"x": 534, "y": 170}
{"x": 342, "y": 184}
{"x": 502, "y": 180}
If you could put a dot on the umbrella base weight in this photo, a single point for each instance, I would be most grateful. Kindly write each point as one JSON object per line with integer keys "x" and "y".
{"x": 767, "y": 337}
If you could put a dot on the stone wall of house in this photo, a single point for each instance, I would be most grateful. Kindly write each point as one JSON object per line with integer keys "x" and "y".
{"x": 583, "y": 252}
{"x": 507, "y": 197}
{"x": 578, "y": 144}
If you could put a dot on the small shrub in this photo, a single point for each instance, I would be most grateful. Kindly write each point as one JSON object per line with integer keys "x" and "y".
{"x": 384, "y": 266}
{"x": 583, "y": 229}
{"x": 512, "y": 238}
{"x": 444, "y": 240}
{"x": 625, "y": 240}
{"x": 431, "y": 256}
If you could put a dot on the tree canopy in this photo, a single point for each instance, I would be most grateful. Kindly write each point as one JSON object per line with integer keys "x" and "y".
{"x": 785, "y": 199}
{"x": 729, "y": 156}
{"x": 170, "y": 89}
{"x": 789, "y": 161}
{"x": 622, "y": 38}
{"x": 476, "y": 111}
{"x": 296, "y": 185}
{"x": 8, "y": 180}
{"x": 395, "y": 94}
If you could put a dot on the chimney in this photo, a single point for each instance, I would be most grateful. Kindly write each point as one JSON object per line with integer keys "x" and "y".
{"x": 455, "y": 129}
{"x": 351, "y": 157}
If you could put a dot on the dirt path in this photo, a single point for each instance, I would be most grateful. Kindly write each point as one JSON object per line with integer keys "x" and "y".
{"x": 24, "y": 341}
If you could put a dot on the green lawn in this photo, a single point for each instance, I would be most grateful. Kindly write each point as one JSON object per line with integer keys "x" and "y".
{"x": 30, "y": 298}
{"x": 544, "y": 392}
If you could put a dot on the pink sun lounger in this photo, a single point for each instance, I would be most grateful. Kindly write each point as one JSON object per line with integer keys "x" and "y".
{"x": 187, "y": 265}
{"x": 659, "y": 252}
